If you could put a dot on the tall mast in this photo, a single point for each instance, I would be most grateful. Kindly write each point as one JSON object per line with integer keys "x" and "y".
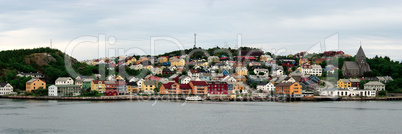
{"x": 195, "y": 40}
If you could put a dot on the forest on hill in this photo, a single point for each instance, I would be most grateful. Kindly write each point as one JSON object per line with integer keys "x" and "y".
{"x": 47, "y": 61}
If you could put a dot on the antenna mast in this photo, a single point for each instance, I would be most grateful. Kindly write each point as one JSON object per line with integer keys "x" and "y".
{"x": 195, "y": 40}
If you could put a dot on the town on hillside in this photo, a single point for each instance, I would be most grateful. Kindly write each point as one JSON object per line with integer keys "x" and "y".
{"x": 250, "y": 73}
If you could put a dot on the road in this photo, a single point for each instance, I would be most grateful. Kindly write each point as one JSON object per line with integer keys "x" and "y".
{"x": 328, "y": 85}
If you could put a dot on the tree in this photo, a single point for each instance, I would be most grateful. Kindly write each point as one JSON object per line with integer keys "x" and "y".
{"x": 40, "y": 92}
{"x": 323, "y": 64}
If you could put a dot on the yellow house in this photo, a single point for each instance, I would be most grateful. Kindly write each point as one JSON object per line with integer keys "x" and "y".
{"x": 202, "y": 64}
{"x": 241, "y": 71}
{"x": 163, "y": 59}
{"x": 148, "y": 86}
{"x": 344, "y": 83}
{"x": 265, "y": 58}
{"x": 118, "y": 78}
{"x": 142, "y": 59}
{"x": 98, "y": 85}
{"x": 304, "y": 60}
{"x": 149, "y": 67}
{"x": 132, "y": 87}
{"x": 131, "y": 60}
{"x": 178, "y": 62}
{"x": 34, "y": 84}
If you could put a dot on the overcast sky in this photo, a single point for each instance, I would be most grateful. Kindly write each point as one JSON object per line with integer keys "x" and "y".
{"x": 271, "y": 25}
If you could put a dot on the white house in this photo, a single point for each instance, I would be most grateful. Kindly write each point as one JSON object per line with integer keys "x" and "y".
{"x": 156, "y": 71}
{"x": 289, "y": 80}
{"x": 228, "y": 78}
{"x": 266, "y": 86}
{"x": 277, "y": 71}
{"x": 335, "y": 92}
{"x": 172, "y": 68}
{"x": 184, "y": 79}
{"x": 374, "y": 85}
{"x": 64, "y": 81}
{"x": 312, "y": 70}
{"x": 258, "y": 71}
{"x": 194, "y": 74}
{"x": 137, "y": 67}
{"x": 6, "y": 89}
{"x": 33, "y": 75}
{"x": 52, "y": 90}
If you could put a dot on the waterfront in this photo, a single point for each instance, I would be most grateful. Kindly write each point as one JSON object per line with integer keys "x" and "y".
{"x": 52, "y": 116}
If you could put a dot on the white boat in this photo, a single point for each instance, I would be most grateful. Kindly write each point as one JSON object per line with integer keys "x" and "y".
{"x": 194, "y": 98}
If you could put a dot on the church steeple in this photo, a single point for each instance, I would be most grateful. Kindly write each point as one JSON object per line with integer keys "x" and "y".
{"x": 360, "y": 57}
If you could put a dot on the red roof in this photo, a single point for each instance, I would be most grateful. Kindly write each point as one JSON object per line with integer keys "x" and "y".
{"x": 321, "y": 59}
{"x": 154, "y": 78}
{"x": 185, "y": 86}
{"x": 249, "y": 58}
{"x": 222, "y": 58}
{"x": 168, "y": 85}
{"x": 97, "y": 81}
{"x": 199, "y": 83}
{"x": 194, "y": 71}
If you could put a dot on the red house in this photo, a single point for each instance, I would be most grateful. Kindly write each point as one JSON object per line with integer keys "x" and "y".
{"x": 176, "y": 79}
{"x": 166, "y": 71}
{"x": 289, "y": 63}
{"x": 110, "y": 85}
{"x": 111, "y": 93}
{"x": 217, "y": 88}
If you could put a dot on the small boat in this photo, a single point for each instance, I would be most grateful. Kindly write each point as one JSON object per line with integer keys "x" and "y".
{"x": 194, "y": 98}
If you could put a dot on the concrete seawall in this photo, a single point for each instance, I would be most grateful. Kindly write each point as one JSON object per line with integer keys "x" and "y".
{"x": 245, "y": 99}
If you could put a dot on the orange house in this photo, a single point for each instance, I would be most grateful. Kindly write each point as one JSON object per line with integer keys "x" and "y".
{"x": 289, "y": 89}
{"x": 175, "y": 88}
{"x": 34, "y": 84}
{"x": 238, "y": 87}
{"x": 199, "y": 87}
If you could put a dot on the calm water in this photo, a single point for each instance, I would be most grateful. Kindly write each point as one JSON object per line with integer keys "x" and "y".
{"x": 32, "y": 116}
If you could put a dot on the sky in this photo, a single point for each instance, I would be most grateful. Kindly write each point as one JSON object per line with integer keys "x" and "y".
{"x": 92, "y": 29}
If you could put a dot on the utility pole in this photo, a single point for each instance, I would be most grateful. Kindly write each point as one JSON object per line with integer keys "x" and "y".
{"x": 195, "y": 40}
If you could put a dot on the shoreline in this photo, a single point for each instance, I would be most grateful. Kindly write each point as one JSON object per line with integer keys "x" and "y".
{"x": 215, "y": 99}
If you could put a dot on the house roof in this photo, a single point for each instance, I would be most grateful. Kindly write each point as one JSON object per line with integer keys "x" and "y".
{"x": 285, "y": 84}
{"x": 182, "y": 77}
{"x": 168, "y": 85}
{"x": 63, "y": 79}
{"x": 262, "y": 83}
{"x": 249, "y": 58}
{"x": 151, "y": 82}
{"x": 351, "y": 65}
{"x": 132, "y": 84}
{"x": 261, "y": 69}
{"x": 374, "y": 83}
{"x": 199, "y": 83}
{"x": 194, "y": 71}
{"x": 67, "y": 86}
{"x": 354, "y": 80}
{"x": 110, "y": 82}
{"x": 185, "y": 86}
{"x": 31, "y": 73}
{"x": 32, "y": 80}
{"x": 206, "y": 74}
{"x": 154, "y": 78}
{"x": 3, "y": 84}
{"x": 345, "y": 80}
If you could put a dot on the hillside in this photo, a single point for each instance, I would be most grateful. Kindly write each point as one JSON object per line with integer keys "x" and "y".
{"x": 48, "y": 61}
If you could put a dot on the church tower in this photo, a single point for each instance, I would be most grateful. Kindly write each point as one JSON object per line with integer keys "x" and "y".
{"x": 360, "y": 57}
